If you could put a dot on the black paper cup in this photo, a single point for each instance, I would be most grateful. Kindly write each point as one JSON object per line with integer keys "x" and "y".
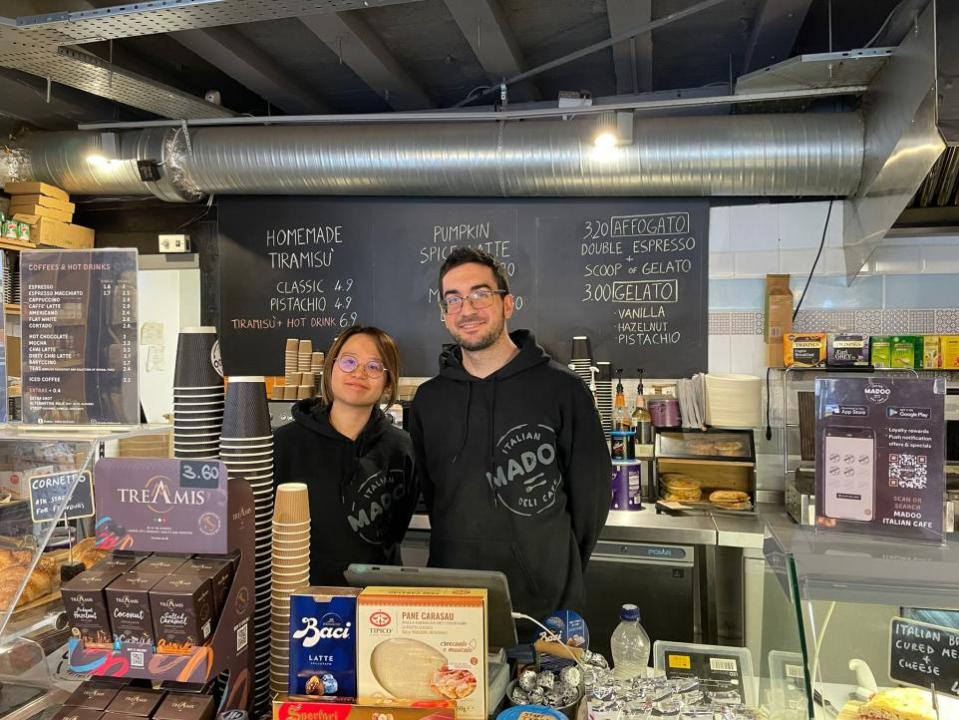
{"x": 194, "y": 358}
{"x": 247, "y": 414}
{"x": 581, "y": 349}
{"x": 210, "y": 393}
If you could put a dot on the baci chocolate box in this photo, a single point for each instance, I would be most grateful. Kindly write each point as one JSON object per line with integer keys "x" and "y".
{"x": 218, "y": 571}
{"x": 183, "y": 706}
{"x": 92, "y": 695}
{"x": 137, "y": 702}
{"x": 160, "y": 564}
{"x": 182, "y": 607}
{"x": 85, "y": 603}
{"x": 77, "y": 713}
{"x": 323, "y": 641}
{"x": 128, "y": 600}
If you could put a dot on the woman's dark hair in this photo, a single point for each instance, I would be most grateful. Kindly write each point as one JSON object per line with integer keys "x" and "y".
{"x": 465, "y": 255}
{"x": 388, "y": 353}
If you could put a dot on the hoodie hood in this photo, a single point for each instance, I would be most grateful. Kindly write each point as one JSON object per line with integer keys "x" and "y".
{"x": 530, "y": 355}
{"x": 314, "y": 415}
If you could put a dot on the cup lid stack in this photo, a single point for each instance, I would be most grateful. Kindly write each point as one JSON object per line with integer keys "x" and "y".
{"x": 291, "y": 572}
{"x": 198, "y": 397}
{"x": 246, "y": 448}
{"x": 604, "y": 394}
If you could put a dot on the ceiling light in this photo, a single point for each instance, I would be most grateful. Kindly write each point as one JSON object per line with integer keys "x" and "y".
{"x": 605, "y": 139}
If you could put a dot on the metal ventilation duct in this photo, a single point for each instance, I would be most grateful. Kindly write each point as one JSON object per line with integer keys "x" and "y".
{"x": 746, "y": 155}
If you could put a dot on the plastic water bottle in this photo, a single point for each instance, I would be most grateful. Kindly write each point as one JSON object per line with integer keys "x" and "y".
{"x": 629, "y": 644}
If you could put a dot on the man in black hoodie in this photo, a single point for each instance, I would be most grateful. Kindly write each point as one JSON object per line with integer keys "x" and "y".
{"x": 510, "y": 451}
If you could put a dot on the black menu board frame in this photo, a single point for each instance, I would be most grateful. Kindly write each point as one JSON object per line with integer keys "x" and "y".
{"x": 79, "y": 326}
{"x": 630, "y": 273}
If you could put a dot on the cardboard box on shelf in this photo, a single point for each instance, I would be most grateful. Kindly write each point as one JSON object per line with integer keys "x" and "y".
{"x": 778, "y": 317}
{"x": 54, "y": 233}
{"x": 43, "y": 201}
{"x": 35, "y": 188}
{"x": 40, "y": 211}
{"x": 332, "y": 708}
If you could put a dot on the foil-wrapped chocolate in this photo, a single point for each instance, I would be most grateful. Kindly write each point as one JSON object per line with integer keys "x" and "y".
{"x": 571, "y": 676}
{"x": 668, "y": 708}
{"x": 537, "y": 696}
{"x": 519, "y": 696}
{"x": 546, "y": 680}
{"x": 554, "y": 699}
{"x": 527, "y": 680}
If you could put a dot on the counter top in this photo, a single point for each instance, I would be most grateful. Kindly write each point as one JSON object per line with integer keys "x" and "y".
{"x": 695, "y": 529}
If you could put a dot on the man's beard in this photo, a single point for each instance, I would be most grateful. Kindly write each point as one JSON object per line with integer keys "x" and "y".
{"x": 483, "y": 342}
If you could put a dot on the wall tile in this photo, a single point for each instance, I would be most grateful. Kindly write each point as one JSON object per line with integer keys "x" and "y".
{"x": 756, "y": 263}
{"x": 799, "y": 262}
{"x": 754, "y": 227}
{"x": 921, "y": 291}
{"x": 719, "y": 353}
{"x": 719, "y": 229}
{"x": 722, "y": 265}
{"x": 869, "y": 321}
{"x": 736, "y": 294}
{"x": 947, "y": 322}
{"x": 834, "y": 293}
{"x": 746, "y": 323}
{"x": 800, "y": 225}
{"x": 941, "y": 258}
{"x": 908, "y": 322}
{"x": 719, "y": 323}
{"x": 748, "y": 355}
{"x": 897, "y": 260}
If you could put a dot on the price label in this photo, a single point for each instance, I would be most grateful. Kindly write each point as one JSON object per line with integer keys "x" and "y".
{"x": 48, "y": 491}
{"x": 199, "y": 473}
{"x": 923, "y": 655}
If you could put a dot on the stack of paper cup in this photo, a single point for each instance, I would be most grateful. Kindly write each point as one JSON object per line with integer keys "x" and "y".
{"x": 197, "y": 396}
{"x": 291, "y": 356}
{"x": 291, "y": 572}
{"x": 304, "y": 356}
{"x": 246, "y": 448}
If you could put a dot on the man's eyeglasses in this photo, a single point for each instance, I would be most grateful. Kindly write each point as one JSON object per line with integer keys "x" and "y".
{"x": 479, "y": 299}
{"x": 348, "y": 364}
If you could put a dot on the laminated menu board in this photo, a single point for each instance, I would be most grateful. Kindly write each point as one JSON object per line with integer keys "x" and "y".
{"x": 79, "y": 346}
{"x": 880, "y": 456}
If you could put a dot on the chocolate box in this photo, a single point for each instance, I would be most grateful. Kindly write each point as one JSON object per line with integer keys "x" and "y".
{"x": 77, "y": 713}
{"x": 128, "y": 601}
{"x": 185, "y": 706}
{"x": 160, "y": 564}
{"x": 300, "y": 708}
{"x": 138, "y": 702}
{"x": 121, "y": 563}
{"x": 182, "y": 607}
{"x": 323, "y": 641}
{"x": 86, "y": 606}
{"x": 91, "y": 695}
{"x": 219, "y": 572}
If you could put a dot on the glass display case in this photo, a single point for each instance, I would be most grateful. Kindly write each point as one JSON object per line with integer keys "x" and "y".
{"x": 844, "y": 616}
{"x": 47, "y": 536}
{"x": 712, "y": 470}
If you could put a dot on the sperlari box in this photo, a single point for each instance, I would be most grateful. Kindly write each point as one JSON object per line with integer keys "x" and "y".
{"x": 319, "y": 708}
{"x": 424, "y": 643}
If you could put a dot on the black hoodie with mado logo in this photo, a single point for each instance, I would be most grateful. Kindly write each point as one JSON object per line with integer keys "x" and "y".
{"x": 516, "y": 473}
{"x": 362, "y": 492}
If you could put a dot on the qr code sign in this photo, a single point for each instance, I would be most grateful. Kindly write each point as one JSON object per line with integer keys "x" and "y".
{"x": 908, "y": 471}
{"x": 137, "y": 659}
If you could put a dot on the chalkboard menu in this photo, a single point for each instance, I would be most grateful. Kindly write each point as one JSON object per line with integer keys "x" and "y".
{"x": 79, "y": 324}
{"x": 629, "y": 273}
{"x": 924, "y": 655}
{"x": 48, "y": 492}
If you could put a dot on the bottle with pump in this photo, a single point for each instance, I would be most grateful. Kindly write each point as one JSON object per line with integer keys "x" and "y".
{"x": 641, "y": 420}
{"x": 629, "y": 645}
{"x": 621, "y": 419}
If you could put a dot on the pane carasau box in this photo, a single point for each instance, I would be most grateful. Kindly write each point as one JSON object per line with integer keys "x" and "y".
{"x": 426, "y": 643}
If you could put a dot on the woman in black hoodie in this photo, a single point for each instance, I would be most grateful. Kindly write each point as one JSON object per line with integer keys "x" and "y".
{"x": 357, "y": 465}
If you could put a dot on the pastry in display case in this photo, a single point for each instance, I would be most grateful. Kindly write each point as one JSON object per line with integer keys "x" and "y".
{"x": 856, "y": 628}
{"x": 712, "y": 470}
{"x": 46, "y": 537}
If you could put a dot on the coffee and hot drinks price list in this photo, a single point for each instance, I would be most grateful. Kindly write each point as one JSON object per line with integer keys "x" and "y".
{"x": 637, "y": 264}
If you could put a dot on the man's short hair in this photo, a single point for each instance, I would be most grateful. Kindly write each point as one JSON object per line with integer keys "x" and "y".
{"x": 465, "y": 255}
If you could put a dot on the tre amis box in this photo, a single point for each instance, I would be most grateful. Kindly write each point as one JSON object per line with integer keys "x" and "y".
{"x": 301, "y": 708}
{"x": 425, "y": 643}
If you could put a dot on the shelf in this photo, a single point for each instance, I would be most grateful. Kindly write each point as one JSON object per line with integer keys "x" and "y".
{"x": 11, "y": 308}
{"x": 16, "y": 245}
{"x": 864, "y": 370}
{"x": 708, "y": 461}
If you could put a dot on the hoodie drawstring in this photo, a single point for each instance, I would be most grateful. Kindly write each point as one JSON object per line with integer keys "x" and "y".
{"x": 491, "y": 457}
{"x": 466, "y": 421}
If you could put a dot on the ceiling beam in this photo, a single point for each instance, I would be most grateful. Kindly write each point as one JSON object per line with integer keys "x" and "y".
{"x": 348, "y": 35}
{"x": 774, "y": 32}
{"x": 632, "y": 58}
{"x": 486, "y": 29}
{"x": 226, "y": 49}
